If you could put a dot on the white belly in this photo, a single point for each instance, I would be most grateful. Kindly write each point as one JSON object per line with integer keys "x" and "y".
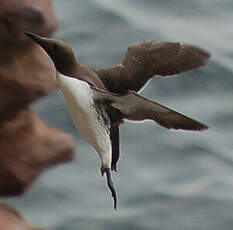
{"x": 79, "y": 99}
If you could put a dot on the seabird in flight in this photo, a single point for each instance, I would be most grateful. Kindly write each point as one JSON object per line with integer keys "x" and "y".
{"x": 100, "y": 100}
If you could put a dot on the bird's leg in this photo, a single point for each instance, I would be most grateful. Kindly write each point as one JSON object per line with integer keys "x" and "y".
{"x": 110, "y": 183}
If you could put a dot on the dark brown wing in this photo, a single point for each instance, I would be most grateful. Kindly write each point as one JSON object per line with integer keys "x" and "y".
{"x": 189, "y": 57}
{"x": 137, "y": 108}
{"x": 145, "y": 59}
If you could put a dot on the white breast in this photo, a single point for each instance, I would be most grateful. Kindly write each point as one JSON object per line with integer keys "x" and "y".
{"x": 79, "y": 99}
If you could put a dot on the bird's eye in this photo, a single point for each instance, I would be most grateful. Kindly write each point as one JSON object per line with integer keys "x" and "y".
{"x": 55, "y": 47}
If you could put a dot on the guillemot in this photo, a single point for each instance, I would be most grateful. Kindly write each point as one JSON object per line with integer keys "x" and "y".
{"x": 100, "y": 100}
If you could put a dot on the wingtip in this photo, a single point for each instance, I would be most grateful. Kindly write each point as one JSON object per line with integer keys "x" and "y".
{"x": 196, "y": 127}
{"x": 207, "y": 56}
{"x": 204, "y": 127}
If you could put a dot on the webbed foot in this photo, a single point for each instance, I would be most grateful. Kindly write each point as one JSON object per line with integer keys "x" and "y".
{"x": 110, "y": 184}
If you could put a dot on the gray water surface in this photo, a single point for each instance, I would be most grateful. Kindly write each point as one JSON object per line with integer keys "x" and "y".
{"x": 167, "y": 179}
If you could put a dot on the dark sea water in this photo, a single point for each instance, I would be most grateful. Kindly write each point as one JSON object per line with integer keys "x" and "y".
{"x": 167, "y": 179}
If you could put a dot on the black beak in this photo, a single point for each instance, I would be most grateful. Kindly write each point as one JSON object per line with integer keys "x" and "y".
{"x": 36, "y": 38}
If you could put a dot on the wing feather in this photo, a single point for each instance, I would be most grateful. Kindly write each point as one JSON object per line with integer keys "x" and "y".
{"x": 137, "y": 108}
{"x": 148, "y": 58}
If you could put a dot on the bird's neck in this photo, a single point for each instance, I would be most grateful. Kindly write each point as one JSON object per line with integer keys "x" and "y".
{"x": 69, "y": 70}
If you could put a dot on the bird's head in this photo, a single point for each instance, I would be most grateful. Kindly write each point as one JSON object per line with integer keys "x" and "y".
{"x": 61, "y": 54}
